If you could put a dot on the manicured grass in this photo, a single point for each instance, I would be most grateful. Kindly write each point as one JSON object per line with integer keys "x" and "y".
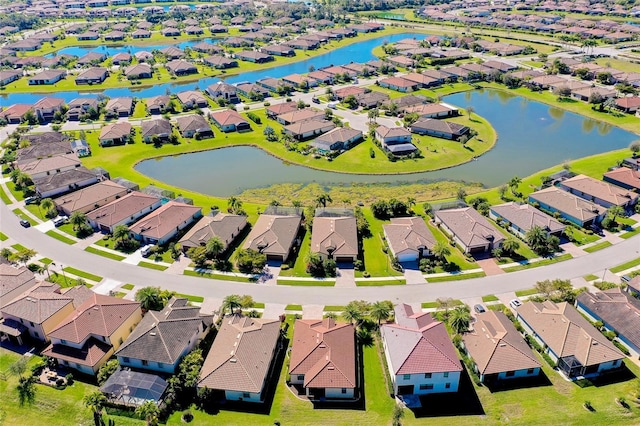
{"x": 539, "y": 263}
{"x": 3, "y": 237}
{"x": 153, "y": 266}
{"x": 627, "y": 265}
{"x": 307, "y": 283}
{"x": 591, "y": 277}
{"x": 258, "y": 305}
{"x": 217, "y": 276}
{"x": 4, "y": 197}
{"x": 62, "y": 279}
{"x": 83, "y": 274}
{"x": 46, "y": 261}
{"x": 334, "y": 308}
{"x": 35, "y": 210}
{"x": 374, "y": 283}
{"x": 597, "y": 247}
{"x": 497, "y": 307}
{"x": 195, "y": 299}
{"x": 120, "y": 294}
{"x": 630, "y": 233}
{"x": 490, "y": 298}
{"x": 23, "y": 215}
{"x": 18, "y": 195}
{"x": 429, "y": 305}
{"x": 18, "y": 247}
{"x": 58, "y": 236}
{"x": 456, "y": 277}
{"x": 128, "y": 287}
{"x": 293, "y": 308}
{"x": 104, "y": 253}
{"x": 456, "y": 256}
{"x": 528, "y": 292}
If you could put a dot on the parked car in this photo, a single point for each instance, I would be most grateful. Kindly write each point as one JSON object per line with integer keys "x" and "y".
{"x": 25, "y": 223}
{"x": 146, "y": 250}
{"x": 315, "y": 100}
{"x": 515, "y": 303}
{"x": 31, "y": 200}
{"x": 60, "y": 220}
{"x": 479, "y": 308}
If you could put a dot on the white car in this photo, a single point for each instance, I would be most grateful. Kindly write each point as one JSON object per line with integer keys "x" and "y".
{"x": 515, "y": 303}
{"x": 146, "y": 250}
{"x": 60, "y": 220}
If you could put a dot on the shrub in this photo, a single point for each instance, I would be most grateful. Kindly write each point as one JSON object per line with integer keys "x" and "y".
{"x": 187, "y": 416}
{"x": 366, "y": 274}
{"x": 253, "y": 117}
{"x": 622, "y": 347}
{"x": 69, "y": 378}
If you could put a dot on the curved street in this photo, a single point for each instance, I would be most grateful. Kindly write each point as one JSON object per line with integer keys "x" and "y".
{"x": 594, "y": 263}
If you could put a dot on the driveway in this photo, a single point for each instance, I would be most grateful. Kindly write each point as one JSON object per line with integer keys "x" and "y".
{"x": 273, "y": 310}
{"x": 412, "y": 274}
{"x": 312, "y": 311}
{"x": 270, "y": 274}
{"x": 345, "y": 276}
{"x": 572, "y": 249}
{"x": 490, "y": 267}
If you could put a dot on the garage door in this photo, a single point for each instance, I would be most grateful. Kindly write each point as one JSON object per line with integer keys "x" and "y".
{"x": 407, "y": 257}
{"x": 344, "y": 259}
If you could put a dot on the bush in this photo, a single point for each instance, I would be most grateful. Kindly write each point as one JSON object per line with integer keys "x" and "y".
{"x": 622, "y": 347}
{"x": 69, "y": 378}
{"x": 187, "y": 416}
{"x": 366, "y": 274}
{"x": 253, "y": 117}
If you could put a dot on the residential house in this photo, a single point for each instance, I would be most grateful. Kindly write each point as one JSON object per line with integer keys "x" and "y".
{"x": 89, "y": 35}
{"x": 155, "y": 128}
{"x": 323, "y": 359}
{"x": 224, "y": 226}
{"x": 618, "y": 311}
{"x": 571, "y": 207}
{"x": 40, "y": 167}
{"x": 586, "y": 94}
{"x": 278, "y": 49}
{"x": 276, "y": 110}
{"x": 252, "y": 91}
{"x": 194, "y": 125}
{"x": 181, "y": 67}
{"x": 220, "y": 62}
{"x": 274, "y": 235}
{"x": 80, "y": 107}
{"x": 624, "y": 177}
{"x": 321, "y": 76}
{"x": 335, "y": 235}
{"x": 469, "y": 229}
{"x": 435, "y": 110}
{"x": 89, "y": 198}
{"x": 15, "y": 114}
{"x": 13, "y": 282}
{"x": 142, "y": 56}
{"x": 88, "y": 337}
{"x": 298, "y": 115}
{"x": 223, "y": 90}
{"x": 59, "y": 183}
{"x": 599, "y": 192}
{"x": 498, "y": 350}
{"x": 46, "y": 108}
{"x": 422, "y": 80}
{"x": 47, "y": 77}
{"x": 170, "y": 32}
{"x": 115, "y": 134}
{"x": 164, "y": 337}
{"x": 575, "y": 345}
{"x": 628, "y": 104}
{"x": 340, "y": 138}
{"x": 371, "y": 99}
{"x": 399, "y": 84}
{"x": 114, "y": 36}
{"x": 140, "y": 33}
{"x": 234, "y": 366}
{"x": 397, "y": 140}
{"x": 161, "y": 225}
{"x": 190, "y": 99}
{"x": 306, "y": 129}
{"x": 38, "y": 312}
{"x": 9, "y": 76}
{"x": 420, "y": 356}
{"x": 92, "y": 58}
{"x": 343, "y": 92}
{"x": 439, "y": 128}
{"x": 230, "y": 121}
{"x": 520, "y": 218}
{"x": 409, "y": 238}
{"x": 119, "y": 107}
{"x": 138, "y": 71}
{"x": 158, "y": 104}
{"x": 122, "y": 211}
{"x": 253, "y": 56}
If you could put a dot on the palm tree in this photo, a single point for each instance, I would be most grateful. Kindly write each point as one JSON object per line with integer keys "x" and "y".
{"x": 323, "y": 199}
{"x": 214, "y": 247}
{"x": 148, "y": 411}
{"x": 513, "y": 184}
{"x": 346, "y": 202}
{"x": 614, "y": 212}
{"x": 536, "y": 238}
{"x": 149, "y": 298}
{"x": 441, "y": 250}
{"x": 234, "y": 204}
{"x": 296, "y": 203}
{"x": 231, "y": 302}
{"x": 470, "y": 110}
{"x": 459, "y": 319}
{"x": 352, "y": 313}
{"x": 95, "y": 402}
{"x": 47, "y": 205}
{"x": 411, "y": 202}
{"x": 380, "y": 311}
{"x": 510, "y": 245}
{"x": 77, "y": 219}
{"x": 120, "y": 232}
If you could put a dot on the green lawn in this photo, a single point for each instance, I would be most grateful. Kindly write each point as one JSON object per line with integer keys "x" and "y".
{"x": 3, "y": 237}
{"x": 104, "y": 253}
{"x": 597, "y": 247}
{"x": 18, "y": 247}
{"x": 17, "y": 194}
{"x": 627, "y": 265}
{"x": 334, "y": 308}
{"x": 217, "y": 276}
{"x": 528, "y": 292}
{"x": 457, "y": 277}
{"x": 128, "y": 287}
{"x": 430, "y": 305}
{"x": 153, "y": 266}
{"x": 4, "y": 197}
{"x": 456, "y": 256}
{"x": 308, "y": 283}
{"x": 23, "y": 215}
{"x": 195, "y": 299}
{"x": 590, "y": 277}
{"x": 374, "y": 283}
{"x": 46, "y": 261}
{"x": 83, "y": 274}
{"x": 58, "y": 236}
{"x": 490, "y": 298}
{"x": 293, "y": 308}
{"x": 630, "y": 233}
{"x": 34, "y": 209}
{"x": 539, "y": 263}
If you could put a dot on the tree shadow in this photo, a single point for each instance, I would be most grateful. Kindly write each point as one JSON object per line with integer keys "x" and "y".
{"x": 465, "y": 402}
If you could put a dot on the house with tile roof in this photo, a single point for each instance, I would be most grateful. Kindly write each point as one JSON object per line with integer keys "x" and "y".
{"x": 15, "y": 113}
{"x": 156, "y": 127}
{"x": 164, "y": 337}
{"x": 599, "y": 192}
{"x": 122, "y": 211}
{"x": 335, "y": 236}
{"x": 119, "y": 107}
{"x": 69, "y": 180}
{"x": 41, "y": 167}
{"x": 618, "y": 311}
{"x": 323, "y": 359}
{"x": 522, "y": 217}
{"x": 230, "y": 121}
{"x": 90, "y": 334}
{"x": 469, "y": 229}
{"x": 89, "y": 198}
{"x": 38, "y": 312}
{"x": 47, "y": 77}
{"x": 163, "y": 224}
{"x": 420, "y": 356}
{"x": 192, "y": 99}
{"x": 395, "y": 139}
{"x": 409, "y": 238}
{"x": 624, "y": 177}
{"x": 571, "y": 207}
{"x": 224, "y": 226}
{"x": 274, "y": 235}
{"x": 242, "y": 358}
{"x": 578, "y": 348}
{"x": 14, "y": 281}
{"x": 194, "y": 125}
{"x": 115, "y": 134}
{"x": 498, "y": 350}
{"x": 340, "y": 138}
{"x": 439, "y": 128}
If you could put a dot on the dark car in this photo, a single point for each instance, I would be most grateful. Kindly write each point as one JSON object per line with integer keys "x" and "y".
{"x": 31, "y": 200}
{"x": 315, "y": 100}
{"x": 479, "y": 309}
{"x": 25, "y": 223}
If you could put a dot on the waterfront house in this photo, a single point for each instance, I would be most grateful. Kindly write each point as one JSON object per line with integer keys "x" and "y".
{"x": 16, "y": 113}
{"x": 220, "y": 62}
{"x": 161, "y": 225}
{"x": 138, "y": 71}
{"x": 274, "y": 234}
{"x": 253, "y": 56}
{"x": 520, "y": 218}
{"x": 409, "y": 238}
{"x": 439, "y": 128}
{"x": 340, "y": 138}
{"x": 180, "y": 67}
{"x": 230, "y": 121}
{"x": 302, "y": 130}
{"x": 223, "y": 90}
{"x": 115, "y": 134}
{"x": 224, "y": 226}
{"x": 599, "y": 192}
{"x": 159, "y": 128}
{"x": 158, "y": 104}
{"x": 395, "y": 139}
{"x": 335, "y": 235}
{"x": 194, "y": 125}
{"x": 47, "y": 77}
{"x": 420, "y": 356}
{"x": 190, "y": 99}
{"x": 571, "y": 207}
{"x": 469, "y": 229}
{"x": 89, "y": 198}
{"x": 624, "y": 177}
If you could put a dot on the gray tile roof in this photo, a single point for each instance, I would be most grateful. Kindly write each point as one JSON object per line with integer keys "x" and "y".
{"x": 408, "y": 233}
{"x": 469, "y": 226}
{"x": 525, "y": 217}
{"x": 273, "y": 234}
{"x": 222, "y": 225}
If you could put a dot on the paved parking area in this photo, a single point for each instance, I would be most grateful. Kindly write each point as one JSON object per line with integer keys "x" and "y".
{"x": 490, "y": 267}
{"x": 572, "y": 249}
{"x": 346, "y": 277}
{"x": 273, "y": 310}
{"x": 412, "y": 274}
{"x": 312, "y": 311}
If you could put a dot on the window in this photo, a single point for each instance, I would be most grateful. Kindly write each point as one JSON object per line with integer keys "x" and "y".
{"x": 530, "y": 370}
{"x": 125, "y": 359}
{"x": 300, "y": 376}
{"x": 145, "y": 362}
{"x": 426, "y": 387}
{"x": 62, "y": 342}
{"x": 160, "y": 365}
{"x": 427, "y": 375}
{"x": 510, "y": 373}
{"x": 406, "y": 376}
{"x": 246, "y": 395}
{"x": 447, "y": 385}
{"x": 344, "y": 390}
{"x": 120, "y": 341}
{"x": 32, "y": 324}
{"x": 446, "y": 374}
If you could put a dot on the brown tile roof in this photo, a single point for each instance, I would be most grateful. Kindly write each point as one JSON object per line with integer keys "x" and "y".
{"x": 164, "y": 220}
{"x": 390, "y": 132}
{"x": 191, "y": 96}
{"x": 525, "y": 217}
{"x": 116, "y": 130}
{"x": 99, "y": 315}
{"x": 90, "y": 197}
{"x": 298, "y": 115}
{"x": 324, "y": 352}
{"x": 567, "y": 203}
{"x": 428, "y": 109}
{"x": 155, "y": 126}
{"x": 273, "y": 234}
{"x": 439, "y": 126}
{"x": 37, "y": 306}
{"x": 301, "y": 127}
{"x": 222, "y": 225}
{"x": 12, "y": 278}
{"x": 163, "y": 336}
{"x": 496, "y": 346}
{"x": 625, "y": 176}
{"x": 42, "y": 165}
{"x": 122, "y": 208}
{"x": 340, "y": 134}
{"x": 566, "y": 332}
{"x": 417, "y": 344}
{"x": 398, "y": 82}
{"x": 336, "y": 234}
{"x": 17, "y": 110}
{"x": 600, "y": 189}
{"x": 194, "y": 122}
{"x": 90, "y": 354}
{"x": 408, "y": 233}
{"x": 227, "y": 117}
{"x": 241, "y": 354}
{"x": 470, "y": 226}
{"x": 282, "y": 108}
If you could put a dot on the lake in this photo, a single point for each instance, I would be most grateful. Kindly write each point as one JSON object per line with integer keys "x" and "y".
{"x": 532, "y": 137}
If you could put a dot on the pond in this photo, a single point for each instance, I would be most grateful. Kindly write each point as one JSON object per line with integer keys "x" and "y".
{"x": 356, "y": 52}
{"x": 532, "y": 137}
{"x": 111, "y": 50}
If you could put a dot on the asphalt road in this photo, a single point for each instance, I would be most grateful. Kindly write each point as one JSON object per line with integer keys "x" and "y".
{"x": 594, "y": 263}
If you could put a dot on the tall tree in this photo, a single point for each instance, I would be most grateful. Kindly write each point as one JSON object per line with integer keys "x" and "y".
{"x": 510, "y": 245}
{"x": 232, "y": 303}
{"x": 214, "y": 247}
{"x": 234, "y": 204}
{"x": 120, "y": 232}
{"x": 78, "y": 219}
{"x": 441, "y": 250}
{"x": 381, "y": 310}
{"x": 95, "y": 402}
{"x": 148, "y": 412}
{"x": 150, "y": 298}
{"x": 459, "y": 319}
{"x": 323, "y": 199}
{"x": 47, "y": 205}
{"x": 614, "y": 212}
{"x": 26, "y": 390}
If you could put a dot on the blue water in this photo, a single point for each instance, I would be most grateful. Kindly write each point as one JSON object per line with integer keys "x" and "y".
{"x": 357, "y": 52}
{"x": 532, "y": 136}
{"x": 112, "y": 50}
